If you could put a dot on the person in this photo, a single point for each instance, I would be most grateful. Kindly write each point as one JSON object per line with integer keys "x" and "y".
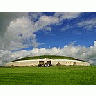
{"x": 45, "y": 65}
{"x": 48, "y": 65}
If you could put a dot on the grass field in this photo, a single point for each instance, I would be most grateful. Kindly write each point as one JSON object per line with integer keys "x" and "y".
{"x": 57, "y": 75}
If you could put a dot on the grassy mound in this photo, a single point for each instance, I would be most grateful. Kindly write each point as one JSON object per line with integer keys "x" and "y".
{"x": 47, "y": 56}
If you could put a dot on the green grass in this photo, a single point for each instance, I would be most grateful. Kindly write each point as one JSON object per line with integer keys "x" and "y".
{"x": 47, "y": 56}
{"x": 57, "y": 75}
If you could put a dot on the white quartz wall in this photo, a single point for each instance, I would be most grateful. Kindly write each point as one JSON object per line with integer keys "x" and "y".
{"x": 53, "y": 62}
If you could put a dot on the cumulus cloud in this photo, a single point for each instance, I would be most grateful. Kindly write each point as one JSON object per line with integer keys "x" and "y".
{"x": 20, "y": 54}
{"x": 44, "y": 21}
{"x": 17, "y": 27}
{"x": 78, "y": 52}
{"x": 5, "y": 19}
{"x": 5, "y": 56}
{"x": 17, "y": 32}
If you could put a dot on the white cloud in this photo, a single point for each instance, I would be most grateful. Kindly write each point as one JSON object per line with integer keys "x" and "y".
{"x": 20, "y": 54}
{"x": 18, "y": 27}
{"x": 44, "y": 21}
{"x": 5, "y": 19}
{"x": 5, "y": 56}
{"x": 47, "y": 28}
{"x": 49, "y": 19}
{"x": 34, "y": 16}
{"x": 22, "y": 28}
{"x": 79, "y": 52}
{"x": 17, "y": 32}
{"x": 88, "y": 24}
{"x": 66, "y": 27}
{"x": 66, "y": 15}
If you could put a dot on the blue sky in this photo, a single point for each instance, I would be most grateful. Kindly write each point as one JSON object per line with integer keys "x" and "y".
{"x": 67, "y": 31}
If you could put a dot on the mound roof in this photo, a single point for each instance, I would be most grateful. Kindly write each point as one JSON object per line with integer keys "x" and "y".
{"x": 47, "y": 56}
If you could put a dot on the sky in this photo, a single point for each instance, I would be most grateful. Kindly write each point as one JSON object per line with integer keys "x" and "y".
{"x": 80, "y": 30}
{"x": 47, "y": 33}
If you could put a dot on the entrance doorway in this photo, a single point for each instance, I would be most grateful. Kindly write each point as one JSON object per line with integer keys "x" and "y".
{"x": 49, "y": 62}
{"x": 74, "y": 63}
{"x": 41, "y": 63}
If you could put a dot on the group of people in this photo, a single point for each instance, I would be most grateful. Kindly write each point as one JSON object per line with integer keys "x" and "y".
{"x": 44, "y": 65}
{"x": 47, "y": 65}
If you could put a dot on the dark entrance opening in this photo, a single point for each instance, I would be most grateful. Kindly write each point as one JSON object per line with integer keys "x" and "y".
{"x": 49, "y": 62}
{"x": 41, "y": 63}
{"x": 74, "y": 63}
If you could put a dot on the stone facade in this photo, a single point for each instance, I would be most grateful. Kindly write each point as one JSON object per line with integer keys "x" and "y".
{"x": 35, "y": 62}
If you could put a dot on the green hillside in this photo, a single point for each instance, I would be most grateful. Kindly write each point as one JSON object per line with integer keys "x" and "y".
{"x": 47, "y": 56}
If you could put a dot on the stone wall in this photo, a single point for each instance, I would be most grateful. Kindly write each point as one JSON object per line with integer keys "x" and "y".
{"x": 53, "y": 62}
{"x": 32, "y": 63}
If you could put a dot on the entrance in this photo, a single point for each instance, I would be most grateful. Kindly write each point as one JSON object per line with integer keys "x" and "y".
{"x": 49, "y": 62}
{"x": 41, "y": 63}
{"x": 74, "y": 63}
